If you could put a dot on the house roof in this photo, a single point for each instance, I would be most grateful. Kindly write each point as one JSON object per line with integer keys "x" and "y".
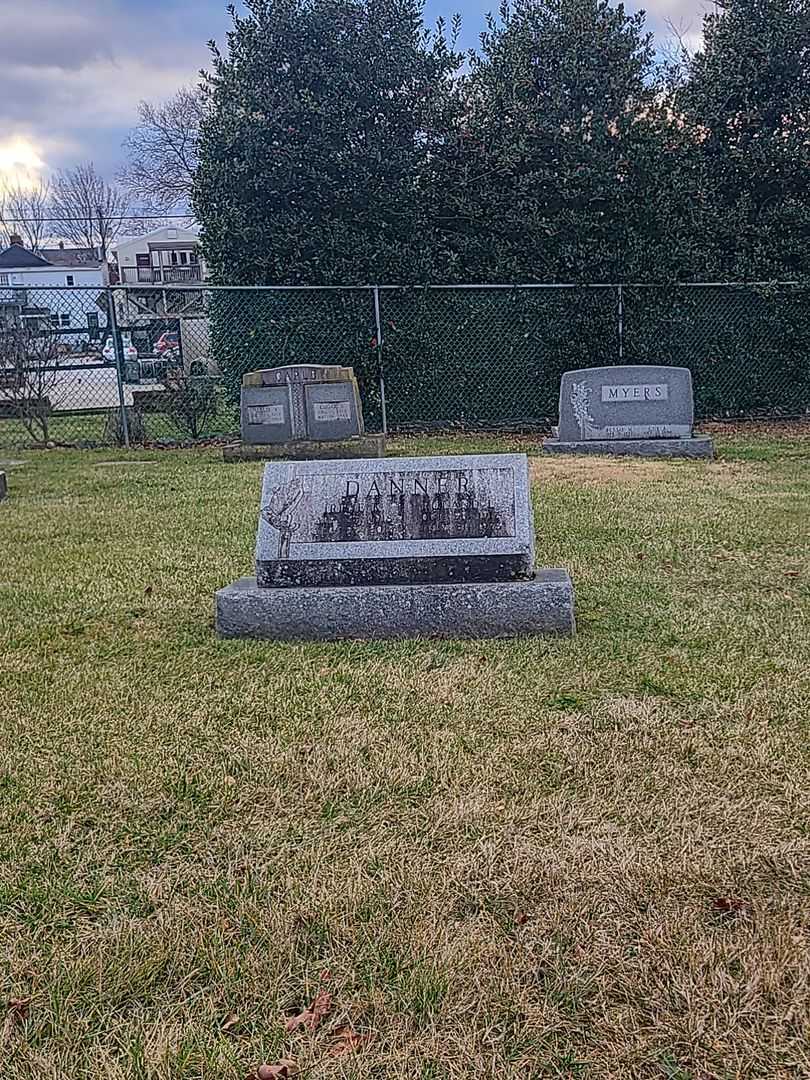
{"x": 16, "y": 257}
{"x": 79, "y": 257}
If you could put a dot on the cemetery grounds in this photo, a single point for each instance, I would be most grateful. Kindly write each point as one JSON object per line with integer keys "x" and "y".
{"x": 527, "y": 858}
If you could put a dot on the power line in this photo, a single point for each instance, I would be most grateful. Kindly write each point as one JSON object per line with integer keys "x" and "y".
{"x": 7, "y": 220}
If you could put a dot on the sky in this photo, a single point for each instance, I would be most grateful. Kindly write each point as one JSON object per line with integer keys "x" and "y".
{"x": 73, "y": 71}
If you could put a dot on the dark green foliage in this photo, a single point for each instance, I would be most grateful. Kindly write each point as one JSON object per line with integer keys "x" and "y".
{"x": 489, "y": 357}
{"x": 746, "y": 103}
{"x": 317, "y": 142}
{"x": 558, "y": 163}
{"x": 251, "y": 330}
{"x": 345, "y": 145}
{"x": 747, "y": 348}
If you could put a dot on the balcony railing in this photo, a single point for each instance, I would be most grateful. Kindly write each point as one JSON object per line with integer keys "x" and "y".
{"x": 160, "y": 275}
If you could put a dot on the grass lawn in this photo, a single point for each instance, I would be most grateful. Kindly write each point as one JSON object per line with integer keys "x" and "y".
{"x": 528, "y": 858}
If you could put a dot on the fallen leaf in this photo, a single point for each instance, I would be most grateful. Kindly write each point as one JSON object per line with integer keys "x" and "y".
{"x": 791, "y": 573}
{"x": 16, "y": 1013}
{"x": 345, "y": 1040}
{"x": 282, "y": 1069}
{"x": 731, "y": 905}
{"x": 230, "y": 1022}
{"x": 148, "y": 590}
{"x": 521, "y": 918}
{"x": 311, "y": 1017}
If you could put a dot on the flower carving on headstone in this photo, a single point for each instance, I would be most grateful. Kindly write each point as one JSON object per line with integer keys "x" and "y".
{"x": 278, "y": 512}
{"x": 580, "y": 403}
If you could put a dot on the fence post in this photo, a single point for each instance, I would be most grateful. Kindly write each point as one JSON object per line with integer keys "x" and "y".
{"x": 620, "y": 314}
{"x": 119, "y": 363}
{"x": 380, "y": 369}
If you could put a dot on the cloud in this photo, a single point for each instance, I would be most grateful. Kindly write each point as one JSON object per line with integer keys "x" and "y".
{"x": 72, "y": 74}
{"x": 102, "y": 93}
{"x": 50, "y": 34}
{"x": 666, "y": 17}
{"x": 73, "y": 71}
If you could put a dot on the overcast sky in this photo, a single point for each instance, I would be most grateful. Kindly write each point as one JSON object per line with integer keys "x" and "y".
{"x": 72, "y": 71}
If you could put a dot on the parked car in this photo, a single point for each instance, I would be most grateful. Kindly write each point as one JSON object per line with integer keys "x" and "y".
{"x": 108, "y": 352}
{"x": 168, "y": 342}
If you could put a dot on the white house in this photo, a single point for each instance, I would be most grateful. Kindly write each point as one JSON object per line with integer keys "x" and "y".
{"x": 151, "y": 267}
{"x": 167, "y": 256}
{"x": 61, "y": 294}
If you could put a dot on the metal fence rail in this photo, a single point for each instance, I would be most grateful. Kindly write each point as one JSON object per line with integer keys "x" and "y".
{"x": 145, "y": 364}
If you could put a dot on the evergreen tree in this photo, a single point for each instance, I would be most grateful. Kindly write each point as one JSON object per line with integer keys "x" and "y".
{"x": 556, "y": 170}
{"x": 317, "y": 144}
{"x": 746, "y": 104}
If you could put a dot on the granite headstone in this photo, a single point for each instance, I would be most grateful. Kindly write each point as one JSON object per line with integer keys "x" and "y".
{"x": 396, "y": 547}
{"x": 641, "y": 409}
{"x": 395, "y": 520}
{"x": 300, "y": 401}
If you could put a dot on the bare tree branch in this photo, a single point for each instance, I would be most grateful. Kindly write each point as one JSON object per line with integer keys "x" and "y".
{"x": 29, "y": 371}
{"x": 24, "y": 211}
{"x": 88, "y": 210}
{"x": 162, "y": 150}
{"x": 677, "y": 47}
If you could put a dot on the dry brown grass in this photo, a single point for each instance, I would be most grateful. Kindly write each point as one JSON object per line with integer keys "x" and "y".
{"x": 508, "y": 856}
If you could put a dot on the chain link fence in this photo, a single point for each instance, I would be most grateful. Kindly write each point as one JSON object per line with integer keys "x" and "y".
{"x": 129, "y": 365}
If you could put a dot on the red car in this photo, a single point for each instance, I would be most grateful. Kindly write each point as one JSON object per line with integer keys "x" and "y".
{"x": 168, "y": 342}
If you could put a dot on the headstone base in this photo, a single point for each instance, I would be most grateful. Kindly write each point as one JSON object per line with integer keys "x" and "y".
{"x": 366, "y": 446}
{"x": 699, "y": 446}
{"x": 544, "y": 605}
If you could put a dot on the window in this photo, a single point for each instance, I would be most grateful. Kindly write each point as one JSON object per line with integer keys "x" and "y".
{"x": 193, "y": 258}
{"x": 174, "y": 258}
{"x": 3, "y": 279}
{"x": 171, "y": 234}
{"x": 183, "y": 258}
{"x": 69, "y": 279}
{"x": 53, "y": 320}
{"x": 64, "y": 319}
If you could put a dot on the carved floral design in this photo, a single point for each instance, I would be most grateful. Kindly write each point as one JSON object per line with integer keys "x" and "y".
{"x": 580, "y": 403}
{"x": 278, "y": 512}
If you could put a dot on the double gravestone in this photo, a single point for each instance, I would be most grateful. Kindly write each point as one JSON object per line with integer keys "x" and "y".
{"x": 640, "y": 409}
{"x": 302, "y": 411}
{"x": 395, "y": 548}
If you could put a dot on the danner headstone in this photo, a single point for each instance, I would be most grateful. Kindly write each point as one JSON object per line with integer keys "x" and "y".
{"x": 302, "y": 411}
{"x": 399, "y": 547}
{"x": 640, "y": 409}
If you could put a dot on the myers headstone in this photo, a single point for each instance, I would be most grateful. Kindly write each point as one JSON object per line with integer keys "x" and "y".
{"x": 3, "y": 486}
{"x": 640, "y": 409}
{"x": 396, "y": 548}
